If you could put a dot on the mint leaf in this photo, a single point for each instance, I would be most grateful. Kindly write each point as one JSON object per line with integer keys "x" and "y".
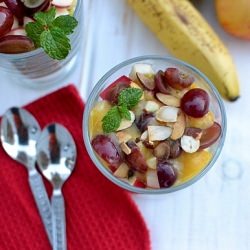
{"x": 111, "y": 121}
{"x": 55, "y": 43}
{"x": 65, "y": 23}
{"x": 124, "y": 112}
{"x": 130, "y": 97}
{"x": 34, "y": 31}
{"x": 46, "y": 18}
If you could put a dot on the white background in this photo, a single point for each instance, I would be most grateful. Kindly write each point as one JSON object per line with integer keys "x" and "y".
{"x": 215, "y": 212}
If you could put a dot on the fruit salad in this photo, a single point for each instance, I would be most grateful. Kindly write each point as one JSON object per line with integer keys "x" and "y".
{"x": 154, "y": 129}
{"x": 15, "y": 14}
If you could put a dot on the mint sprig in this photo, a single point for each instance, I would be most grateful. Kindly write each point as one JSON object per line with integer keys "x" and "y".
{"x": 127, "y": 99}
{"x": 51, "y": 33}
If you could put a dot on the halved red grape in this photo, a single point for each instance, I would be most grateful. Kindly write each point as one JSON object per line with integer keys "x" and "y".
{"x": 17, "y": 8}
{"x": 13, "y": 44}
{"x": 144, "y": 120}
{"x": 136, "y": 159}
{"x": 106, "y": 147}
{"x": 166, "y": 174}
{"x": 210, "y": 135}
{"x": 195, "y": 102}
{"x": 147, "y": 82}
{"x": 160, "y": 82}
{"x": 177, "y": 79}
{"x": 111, "y": 93}
{"x": 6, "y": 21}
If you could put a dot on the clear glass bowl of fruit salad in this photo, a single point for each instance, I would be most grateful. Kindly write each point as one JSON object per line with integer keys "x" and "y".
{"x": 20, "y": 60}
{"x": 154, "y": 124}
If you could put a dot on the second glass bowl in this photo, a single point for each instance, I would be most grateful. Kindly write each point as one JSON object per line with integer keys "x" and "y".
{"x": 158, "y": 63}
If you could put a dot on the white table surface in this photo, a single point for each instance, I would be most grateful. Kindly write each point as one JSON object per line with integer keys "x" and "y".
{"x": 214, "y": 213}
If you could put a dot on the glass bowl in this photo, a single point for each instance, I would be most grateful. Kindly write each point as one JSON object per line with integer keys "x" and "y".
{"x": 36, "y": 69}
{"x": 157, "y": 62}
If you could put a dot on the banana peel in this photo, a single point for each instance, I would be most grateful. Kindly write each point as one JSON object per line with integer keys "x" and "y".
{"x": 187, "y": 35}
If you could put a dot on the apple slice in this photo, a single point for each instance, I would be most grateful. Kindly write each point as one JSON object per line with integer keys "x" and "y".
{"x": 62, "y": 3}
{"x": 61, "y": 11}
{"x": 152, "y": 179}
{"x": 141, "y": 68}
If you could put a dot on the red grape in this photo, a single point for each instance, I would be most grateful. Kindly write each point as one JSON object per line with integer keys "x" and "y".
{"x": 166, "y": 174}
{"x": 160, "y": 82}
{"x": 44, "y": 5}
{"x": 195, "y": 103}
{"x": 210, "y": 135}
{"x": 136, "y": 159}
{"x": 177, "y": 79}
{"x": 145, "y": 120}
{"x": 6, "y": 21}
{"x": 14, "y": 44}
{"x": 107, "y": 148}
{"x": 17, "y": 8}
{"x": 175, "y": 149}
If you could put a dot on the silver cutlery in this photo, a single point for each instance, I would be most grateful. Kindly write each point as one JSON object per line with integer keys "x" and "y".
{"x": 56, "y": 157}
{"x": 19, "y": 134}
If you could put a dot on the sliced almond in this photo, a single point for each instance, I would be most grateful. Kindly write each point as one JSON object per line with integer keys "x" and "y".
{"x": 123, "y": 136}
{"x": 152, "y": 162}
{"x": 151, "y": 106}
{"x": 122, "y": 171}
{"x": 146, "y": 80}
{"x": 167, "y": 114}
{"x": 125, "y": 148}
{"x": 141, "y": 68}
{"x": 127, "y": 123}
{"x": 189, "y": 144}
{"x": 144, "y": 136}
{"x": 179, "y": 126}
{"x": 158, "y": 133}
{"x": 169, "y": 100}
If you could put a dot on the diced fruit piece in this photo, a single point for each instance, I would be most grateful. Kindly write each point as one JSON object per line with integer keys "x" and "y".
{"x": 204, "y": 122}
{"x": 160, "y": 82}
{"x": 162, "y": 151}
{"x": 210, "y": 135}
{"x": 145, "y": 120}
{"x": 179, "y": 126}
{"x": 145, "y": 69}
{"x": 151, "y": 106}
{"x": 192, "y": 164}
{"x": 158, "y": 133}
{"x": 123, "y": 136}
{"x": 122, "y": 171}
{"x": 146, "y": 81}
{"x": 17, "y": 32}
{"x": 62, "y": 11}
{"x": 17, "y": 8}
{"x": 147, "y": 153}
{"x": 152, "y": 179}
{"x": 112, "y": 92}
{"x": 189, "y": 144}
{"x": 127, "y": 123}
{"x": 195, "y": 103}
{"x": 167, "y": 114}
{"x": 144, "y": 136}
{"x": 136, "y": 86}
{"x": 168, "y": 100}
{"x": 177, "y": 79}
{"x": 194, "y": 132}
{"x": 13, "y": 44}
{"x": 62, "y": 3}
{"x": 166, "y": 174}
{"x": 125, "y": 148}
{"x": 136, "y": 159}
{"x": 106, "y": 147}
{"x": 139, "y": 184}
{"x": 152, "y": 162}
{"x": 175, "y": 149}
{"x": 6, "y": 21}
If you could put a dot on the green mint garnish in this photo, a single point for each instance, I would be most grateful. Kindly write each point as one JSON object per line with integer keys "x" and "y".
{"x": 127, "y": 99}
{"x": 51, "y": 33}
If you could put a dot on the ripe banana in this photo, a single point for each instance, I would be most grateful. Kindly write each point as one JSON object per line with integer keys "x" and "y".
{"x": 182, "y": 29}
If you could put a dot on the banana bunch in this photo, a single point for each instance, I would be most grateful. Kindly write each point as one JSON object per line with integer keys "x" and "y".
{"x": 182, "y": 29}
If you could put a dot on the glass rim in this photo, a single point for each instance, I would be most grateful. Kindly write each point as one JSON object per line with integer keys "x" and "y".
{"x": 39, "y": 50}
{"x": 105, "y": 171}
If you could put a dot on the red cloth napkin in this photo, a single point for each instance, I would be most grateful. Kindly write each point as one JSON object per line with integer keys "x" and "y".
{"x": 99, "y": 215}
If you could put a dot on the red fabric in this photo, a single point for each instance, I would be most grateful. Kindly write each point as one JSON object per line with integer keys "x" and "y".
{"x": 99, "y": 215}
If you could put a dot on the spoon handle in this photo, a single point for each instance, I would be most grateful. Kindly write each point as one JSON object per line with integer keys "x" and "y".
{"x": 58, "y": 221}
{"x": 42, "y": 200}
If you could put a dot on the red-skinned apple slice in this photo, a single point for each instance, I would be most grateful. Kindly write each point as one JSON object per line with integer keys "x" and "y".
{"x": 62, "y": 3}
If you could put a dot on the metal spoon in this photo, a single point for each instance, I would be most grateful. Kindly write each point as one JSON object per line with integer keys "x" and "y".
{"x": 19, "y": 134}
{"x": 56, "y": 157}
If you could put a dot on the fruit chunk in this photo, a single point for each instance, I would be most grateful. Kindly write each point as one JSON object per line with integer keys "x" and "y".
{"x": 106, "y": 147}
{"x": 195, "y": 103}
{"x": 204, "y": 122}
{"x": 175, "y": 149}
{"x": 162, "y": 151}
{"x": 177, "y": 79}
{"x": 160, "y": 82}
{"x": 62, "y": 3}
{"x": 152, "y": 179}
{"x": 210, "y": 135}
{"x": 234, "y": 17}
{"x": 166, "y": 174}
{"x": 122, "y": 171}
{"x": 152, "y": 163}
{"x": 13, "y": 44}
{"x": 192, "y": 164}
{"x": 6, "y": 21}
{"x": 17, "y": 8}
{"x": 141, "y": 68}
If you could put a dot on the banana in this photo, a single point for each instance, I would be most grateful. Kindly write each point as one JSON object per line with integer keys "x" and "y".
{"x": 182, "y": 29}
